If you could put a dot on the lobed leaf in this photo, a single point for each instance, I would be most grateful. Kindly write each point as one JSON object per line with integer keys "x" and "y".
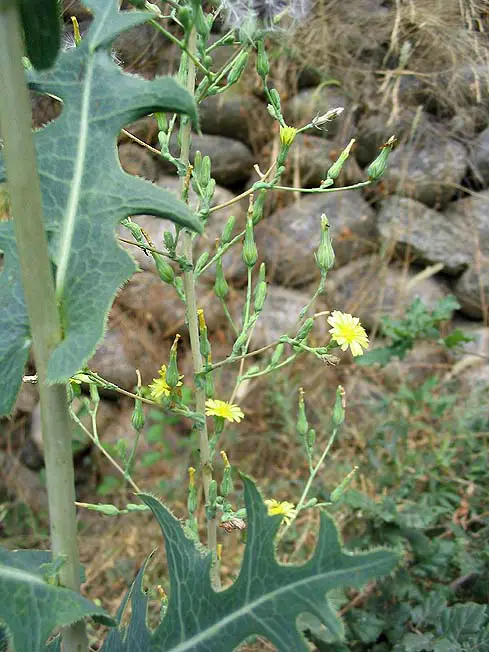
{"x": 31, "y": 607}
{"x": 266, "y": 599}
{"x": 85, "y": 193}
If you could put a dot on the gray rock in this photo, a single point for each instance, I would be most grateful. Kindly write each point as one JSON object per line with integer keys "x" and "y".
{"x": 232, "y": 161}
{"x": 369, "y": 288}
{"x": 136, "y": 160}
{"x": 280, "y": 314}
{"x": 472, "y": 291}
{"x": 374, "y": 129}
{"x": 157, "y": 306}
{"x": 105, "y": 414}
{"x": 27, "y": 399}
{"x": 125, "y": 348}
{"x": 480, "y": 157}
{"x": 155, "y": 228}
{"x": 242, "y": 117}
{"x": 288, "y": 239}
{"x": 428, "y": 172}
{"x": 146, "y": 129}
{"x": 472, "y": 358}
{"x": 428, "y": 237}
{"x": 140, "y": 48}
{"x": 22, "y": 484}
{"x": 309, "y": 103}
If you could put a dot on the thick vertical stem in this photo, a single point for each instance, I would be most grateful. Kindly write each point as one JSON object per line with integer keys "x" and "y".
{"x": 25, "y": 196}
{"x": 193, "y": 327}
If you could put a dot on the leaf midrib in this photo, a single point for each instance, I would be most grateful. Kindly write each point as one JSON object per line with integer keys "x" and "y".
{"x": 213, "y": 630}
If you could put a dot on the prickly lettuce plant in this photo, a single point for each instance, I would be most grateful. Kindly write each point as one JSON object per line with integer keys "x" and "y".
{"x": 75, "y": 261}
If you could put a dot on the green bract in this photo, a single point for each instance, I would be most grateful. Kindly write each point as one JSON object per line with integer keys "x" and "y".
{"x": 266, "y": 598}
{"x": 85, "y": 194}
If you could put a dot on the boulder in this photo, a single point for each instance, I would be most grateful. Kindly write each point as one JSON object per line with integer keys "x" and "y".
{"x": 139, "y": 49}
{"x": 138, "y": 161}
{"x": 22, "y": 484}
{"x": 232, "y": 161}
{"x": 472, "y": 358}
{"x": 238, "y": 116}
{"x": 427, "y": 171}
{"x": 280, "y": 314}
{"x": 107, "y": 411}
{"x": 427, "y": 236}
{"x": 158, "y": 307}
{"x": 146, "y": 129}
{"x": 75, "y": 8}
{"x": 479, "y": 158}
{"x": 472, "y": 291}
{"x": 375, "y": 128}
{"x": 288, "y": 239}
{"x": 125, "y": 348}
{"x": 311, "y": 102}
{"x": 369, "y": 288}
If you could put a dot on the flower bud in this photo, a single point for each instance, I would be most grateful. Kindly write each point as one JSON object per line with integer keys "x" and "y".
{"x": 201, "y": 261}
{"x": 340, "y": 489}
{"x": 277, "y": 354}
{"x": 287, "y": 135}
{"x": 311, "y": 438}
{"x": 258, "y": 205}
{"x": 169, "y": 240}
{"x": 339, "y": 407}
{"x": 305, "y": 329}
{"x": 164, "y": 269}
{"x": 212, "y": 492}
{"x": 240, "y": 342}
{"x": 377, "y": 168}
{"x": 260, "y": 296}
{"x": 324, "y": 256}
{"x": 275, "y": 100}
{"x": 221, "y": 288}
{"x": 237, "y": 68}
{"x": 302, "y": 424}
{"x": 137, "y": 419}
{"x": 184, "y": 15}
{"x": 335, "y": 169}
{"x": 250, "y": 252}
{"x": 192, "y": 492}
{"x": 172, "y": 376}
{"x": 262, "y": 63}
{"x": 228, "y": 230}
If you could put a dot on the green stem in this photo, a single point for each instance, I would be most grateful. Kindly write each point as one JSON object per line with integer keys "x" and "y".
{"x": 32, "y": 247}
{"x": 307, "y": 488}
{"x": 360, "y": 184}
{"x": 193, "y": 328}
{"x": 181, "y": 45}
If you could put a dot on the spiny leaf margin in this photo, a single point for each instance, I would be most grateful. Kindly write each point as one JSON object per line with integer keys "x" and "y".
{"x": 85, "y": 193}
{"x": 266, "y": 598}
{"x": 31, "y": 608}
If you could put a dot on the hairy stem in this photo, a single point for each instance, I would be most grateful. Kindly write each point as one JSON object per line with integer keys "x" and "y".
{"x": 193, "y": 327}
{"x": 32, "y": 247}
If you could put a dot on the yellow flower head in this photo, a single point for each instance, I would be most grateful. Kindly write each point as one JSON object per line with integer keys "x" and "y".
{"x": 159, "y": 387}
{"x": 348, "y": 332}
{"x": 285, "y": 508}
{"x": 228, "y": 411}
{"x": 287, "y": 135}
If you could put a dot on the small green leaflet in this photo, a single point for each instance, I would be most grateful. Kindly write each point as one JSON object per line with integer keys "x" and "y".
{"x": 266, "y": 599}
{"x": 85, "y": 194}
{"x": 31, "y": 608}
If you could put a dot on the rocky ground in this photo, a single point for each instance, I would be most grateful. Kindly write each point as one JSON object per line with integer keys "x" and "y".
{"x": 422, "y": 231}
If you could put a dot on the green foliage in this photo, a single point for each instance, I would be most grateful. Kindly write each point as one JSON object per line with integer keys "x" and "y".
{"x": 265, "y": 599}
{"x": 42, "y": 30}
{"x": 85, "y": 194}
{"x": 32, "y": 605}
{"x": 419, "y": 323}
